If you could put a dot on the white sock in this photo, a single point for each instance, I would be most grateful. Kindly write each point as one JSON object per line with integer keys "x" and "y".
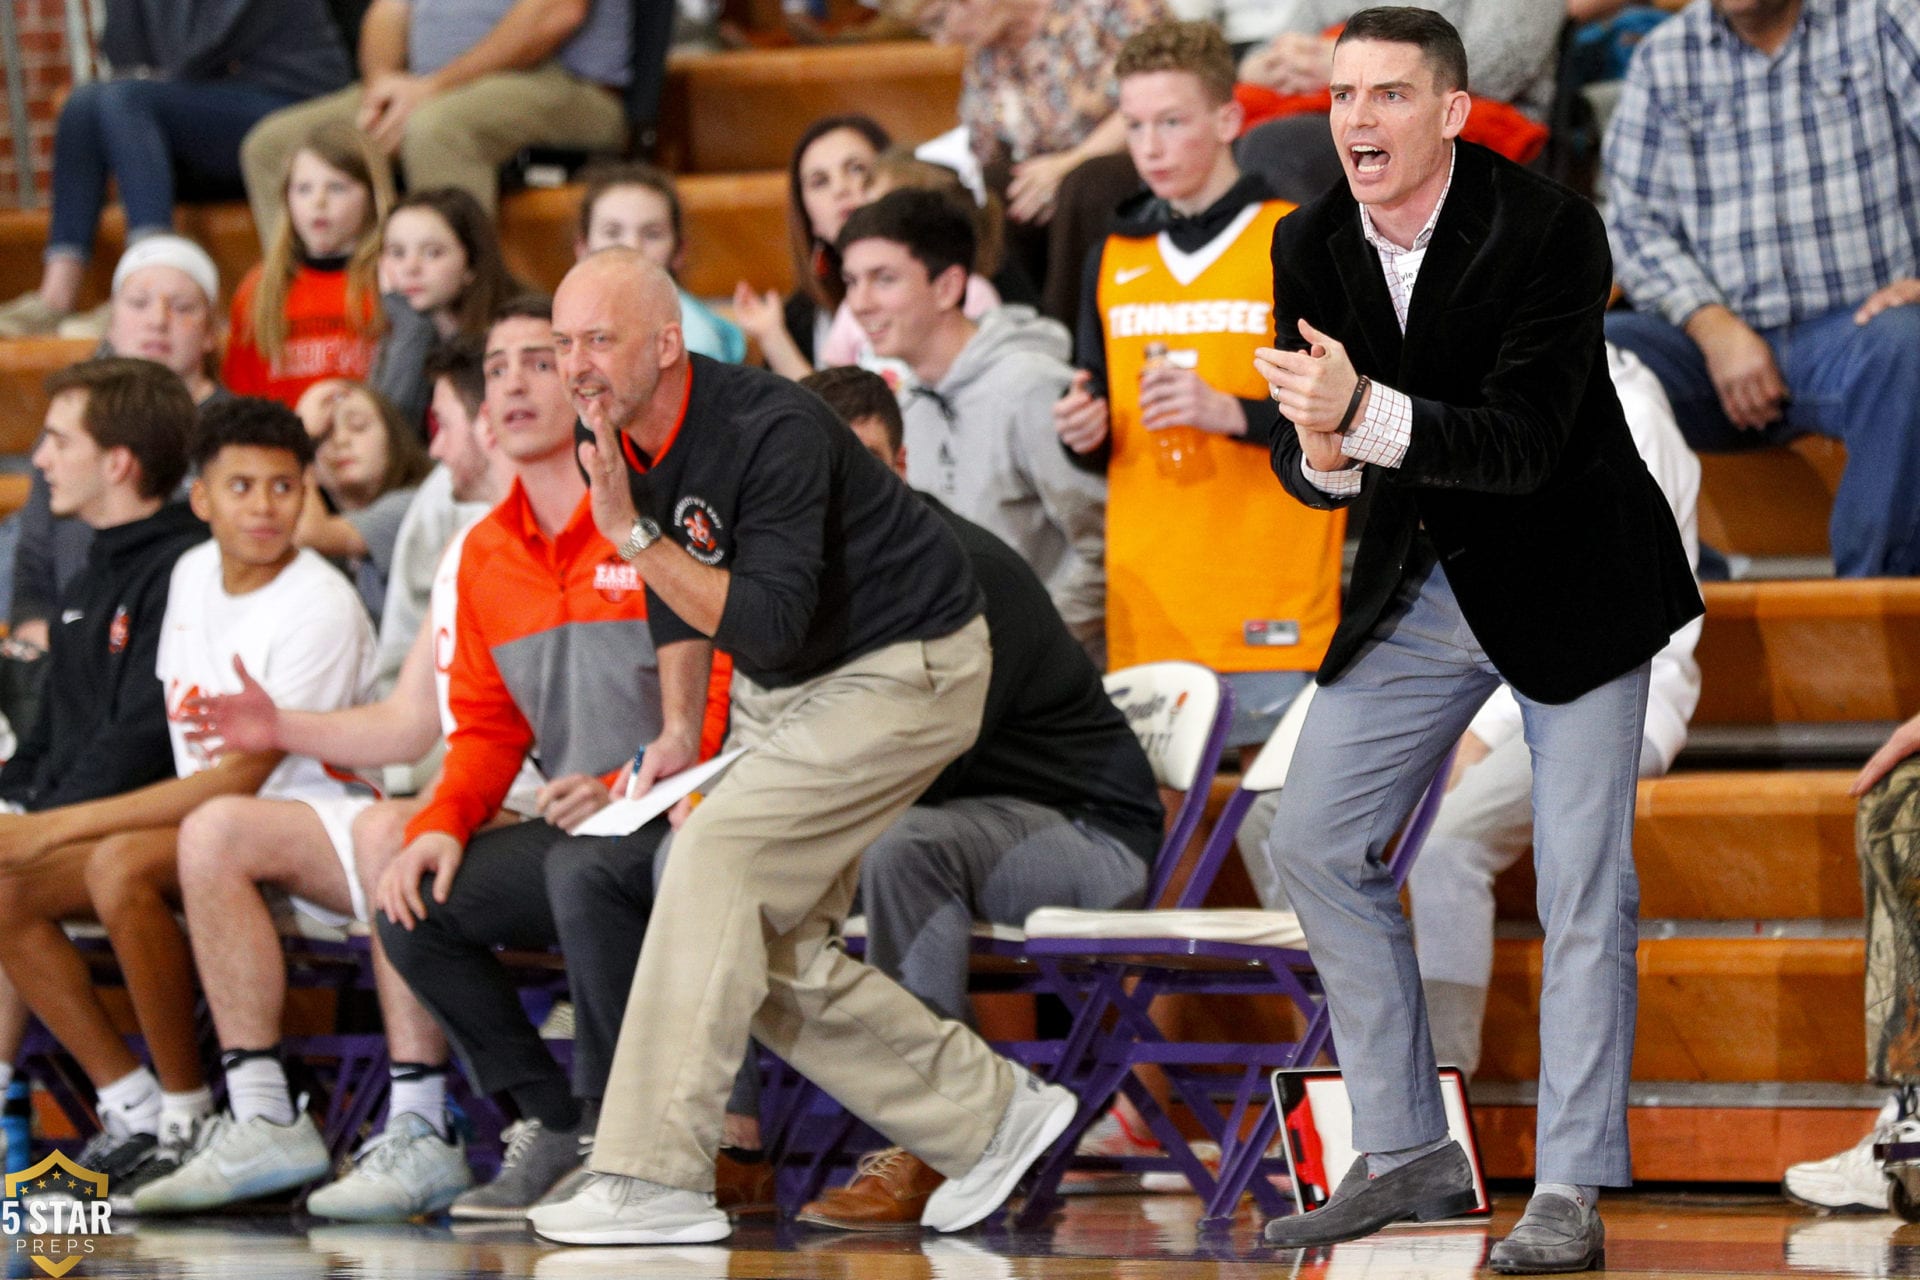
{"x": 133, "y": 1099}
{"x": 181, "y": 1113}
{"x": 418, "y": 1090}
{"x": 257, "y": 1086}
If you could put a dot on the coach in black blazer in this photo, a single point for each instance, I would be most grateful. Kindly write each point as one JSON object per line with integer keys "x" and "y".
{"x": 1444, "y": 308}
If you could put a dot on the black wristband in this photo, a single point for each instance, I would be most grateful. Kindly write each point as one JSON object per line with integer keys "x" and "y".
{"x": 1353, "y": 405}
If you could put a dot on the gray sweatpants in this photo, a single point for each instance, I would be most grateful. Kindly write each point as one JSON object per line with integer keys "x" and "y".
{"x": 939, "y": 868}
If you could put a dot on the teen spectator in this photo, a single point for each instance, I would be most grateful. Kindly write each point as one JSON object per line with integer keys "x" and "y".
{"x": 1888, "y": 789}
{"x": 827, "y": 179}
{"x": 1173, "y": 306}
{"x": 1512, "y": 45}
{"x": 309, "y": 310}
{"x": 368, "y": 465}
{"x": 456, "y": 88}
{"x": 1766, "y": 228}
{"x": 979, "y": 416}
{"x": 1486, "y": 820}
{"x": 847, "y": 343}
{"x": 190, "y": 77}
{"x": 329, "y": 852}
{"x": 1038, "y": 102}
{"x": 1054, "y": 805}
{"x": 441, "y": 275}
{"x": 249, "y": 595}
{"x": 635, "y": 206}
{"x": 537, "y": 584}
{"x": 454, "y": 494}
{"x": 862, "y": 661}
{"x": 164, "y": 309}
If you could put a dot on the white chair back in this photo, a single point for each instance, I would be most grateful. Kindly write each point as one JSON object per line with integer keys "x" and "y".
{"x": 1171, "y": 707}
{"x": 1269, "y": 770}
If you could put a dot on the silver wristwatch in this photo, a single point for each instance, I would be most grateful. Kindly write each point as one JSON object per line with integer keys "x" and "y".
{"x": 645, "y": 534}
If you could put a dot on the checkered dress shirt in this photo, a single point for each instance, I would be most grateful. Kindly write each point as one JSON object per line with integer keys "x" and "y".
{"x": 1386, "y": 428}
{"x": 1783, "y": 187}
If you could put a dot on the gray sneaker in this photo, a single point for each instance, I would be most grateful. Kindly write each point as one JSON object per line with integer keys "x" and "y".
{"x": 536, "y": 1158}
{"x": 29, "y": 317}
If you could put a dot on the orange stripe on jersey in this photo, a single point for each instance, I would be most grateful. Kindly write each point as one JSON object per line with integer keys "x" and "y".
{"x": 1224, "y": 568}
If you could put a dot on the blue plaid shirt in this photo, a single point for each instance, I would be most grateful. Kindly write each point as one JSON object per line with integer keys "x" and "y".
{"x": 1782, "y": 187}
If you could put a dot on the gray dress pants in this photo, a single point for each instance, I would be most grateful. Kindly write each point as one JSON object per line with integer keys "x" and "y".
{"x": 1370, "y": 745}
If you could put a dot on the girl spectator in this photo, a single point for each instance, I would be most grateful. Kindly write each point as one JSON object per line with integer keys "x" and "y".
{"x": 441, "y": 275}
{"x": 826, "y": 180}
{"x": 846, "y": 342}
{"x": 635, "y": 206}
{"x": 370, "y": 461}
{"x": 309, "y": 310}
{"x": 190, "y": 78}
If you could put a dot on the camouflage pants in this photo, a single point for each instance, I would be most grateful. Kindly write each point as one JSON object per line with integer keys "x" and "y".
{"x": 1887, "y": 832}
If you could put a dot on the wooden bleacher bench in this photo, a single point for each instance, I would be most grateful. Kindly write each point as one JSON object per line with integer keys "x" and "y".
{"x": 736, "y": 112}
{"x": 1813, "y": 651}
{"x": 24, "y": 366}
{"x": 1771, "y": 502}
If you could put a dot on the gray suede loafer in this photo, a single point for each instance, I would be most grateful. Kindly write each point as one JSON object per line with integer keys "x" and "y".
{"x": 1437, "y": 1185}
{"x": 1552, "y": 1236}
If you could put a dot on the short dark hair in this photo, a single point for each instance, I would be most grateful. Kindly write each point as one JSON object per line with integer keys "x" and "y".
{"x": 1432, "y": 34}
{"x": 1197, "y": 48}
{"x": 137, "y": 405}
{"x": 461, "y": 361}
{"x": 855, "y": 393}
{"x": 607, "y": 175}
{"x": 524, "y": 306}
{"x": 249, "y": 420}
{"x": 925, "y": 223}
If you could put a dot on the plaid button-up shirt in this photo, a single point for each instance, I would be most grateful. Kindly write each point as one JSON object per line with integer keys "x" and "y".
{"x": 1783, "y": 187}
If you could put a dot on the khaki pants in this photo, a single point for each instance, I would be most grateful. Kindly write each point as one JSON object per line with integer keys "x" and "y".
{"x": 459, "y": 139}
{"x": 743, "y": 936}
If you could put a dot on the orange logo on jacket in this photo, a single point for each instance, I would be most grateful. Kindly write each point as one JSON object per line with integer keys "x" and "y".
{"x": 117, "y": 631}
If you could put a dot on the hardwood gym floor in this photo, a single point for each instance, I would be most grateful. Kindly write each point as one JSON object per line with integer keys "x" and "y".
{"x": 1651, "y": 1233}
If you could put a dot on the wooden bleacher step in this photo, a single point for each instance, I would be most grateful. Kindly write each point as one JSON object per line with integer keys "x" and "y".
{"x": 1777, "y": 653}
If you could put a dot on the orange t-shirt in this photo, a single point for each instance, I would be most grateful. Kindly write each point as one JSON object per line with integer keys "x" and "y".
{"x": 1226, "y": 569}
{"x": 321, "y": 341}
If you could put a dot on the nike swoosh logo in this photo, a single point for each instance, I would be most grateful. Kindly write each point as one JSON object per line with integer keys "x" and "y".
{"x": 1128, "y": 277}
{"x": 71, "y": 616}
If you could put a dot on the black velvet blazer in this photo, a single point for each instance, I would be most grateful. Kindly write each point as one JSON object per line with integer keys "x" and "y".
{"x": 1558, "y": 544}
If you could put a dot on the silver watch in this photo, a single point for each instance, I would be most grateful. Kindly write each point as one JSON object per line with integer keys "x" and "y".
{"x": 645, "y": 533}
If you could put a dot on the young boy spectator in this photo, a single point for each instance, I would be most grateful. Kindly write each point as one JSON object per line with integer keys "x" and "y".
{"x": 1053, "y": 806}
{"x": 1173, "y": 306}
{"x": 550, "y": 654}
{"x": 246, "y": 597}
{"x": 979, "y": 431}
{"x": 234, "y": 847}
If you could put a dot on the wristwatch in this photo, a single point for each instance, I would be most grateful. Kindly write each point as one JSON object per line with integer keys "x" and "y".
{"x": 645, "y": 534}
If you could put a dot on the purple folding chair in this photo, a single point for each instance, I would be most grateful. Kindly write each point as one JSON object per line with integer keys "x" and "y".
{"x": 1131, "y": 958}
{"x": 1180, "y": 711}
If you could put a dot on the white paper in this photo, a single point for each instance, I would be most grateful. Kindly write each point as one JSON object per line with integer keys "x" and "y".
{"x": 624, "y": 817}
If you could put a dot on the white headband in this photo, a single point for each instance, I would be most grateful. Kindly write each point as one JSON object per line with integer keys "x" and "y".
{"x": 178, "y": 252}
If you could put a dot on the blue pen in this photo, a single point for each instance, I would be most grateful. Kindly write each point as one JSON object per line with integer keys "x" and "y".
{"x": 633, "y": 779}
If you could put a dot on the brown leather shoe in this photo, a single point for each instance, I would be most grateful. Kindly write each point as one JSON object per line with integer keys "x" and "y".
{"x": 743, "y": 1189}
{"x": 888, "y": 1192}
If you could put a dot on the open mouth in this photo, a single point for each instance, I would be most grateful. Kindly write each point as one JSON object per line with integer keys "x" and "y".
{"x": 1367, "y": 158}
{"x": 514, "y": 417}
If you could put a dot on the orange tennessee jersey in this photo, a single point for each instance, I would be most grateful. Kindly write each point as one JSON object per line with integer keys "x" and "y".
{"x": 1225, "y": 568}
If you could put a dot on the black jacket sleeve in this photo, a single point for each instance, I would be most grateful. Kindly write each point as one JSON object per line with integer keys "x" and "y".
{"x": 131, "y": 747}
{"x": 779, "y": 547}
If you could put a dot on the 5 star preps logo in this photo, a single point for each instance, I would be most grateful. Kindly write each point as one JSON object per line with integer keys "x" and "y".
{"x": 67, "y": 1210}
{"x": 698, "y": 520}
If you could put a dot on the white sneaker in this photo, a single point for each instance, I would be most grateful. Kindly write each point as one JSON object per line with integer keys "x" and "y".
{"x": 238, "y": 1160}
{"x": 1850, "y": 1182}
{"x": 1037, "y": 1115}
{"x": 407, "y": 1172}
{"x": 611, "y": 1209}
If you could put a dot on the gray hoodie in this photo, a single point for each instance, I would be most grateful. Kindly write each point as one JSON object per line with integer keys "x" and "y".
{"x": 982, "y": 442}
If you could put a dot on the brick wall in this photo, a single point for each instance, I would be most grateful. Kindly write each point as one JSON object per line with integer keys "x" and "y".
{"x": 43, "y": 50}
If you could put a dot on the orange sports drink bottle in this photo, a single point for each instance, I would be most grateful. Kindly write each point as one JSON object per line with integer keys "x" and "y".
{"x": 1180, "y": 453}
